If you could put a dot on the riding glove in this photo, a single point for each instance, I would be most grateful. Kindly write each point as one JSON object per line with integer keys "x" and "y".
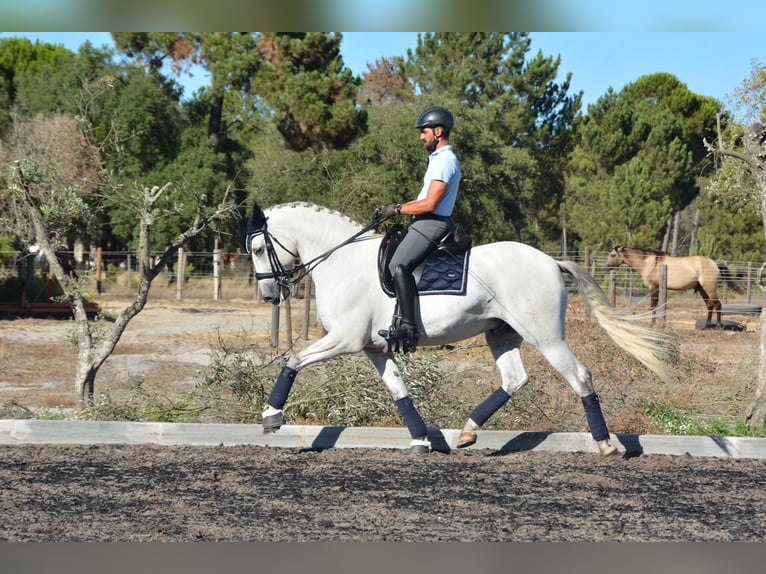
{"x": 384, "y": 212}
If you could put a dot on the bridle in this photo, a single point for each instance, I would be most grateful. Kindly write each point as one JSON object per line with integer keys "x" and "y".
{"x": 284, "y": 277}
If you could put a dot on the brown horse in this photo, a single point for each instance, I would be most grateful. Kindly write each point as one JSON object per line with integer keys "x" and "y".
{"x": 693, "y": 272}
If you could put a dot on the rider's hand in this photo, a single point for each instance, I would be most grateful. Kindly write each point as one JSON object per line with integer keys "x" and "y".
{"x": 384, "y": 212}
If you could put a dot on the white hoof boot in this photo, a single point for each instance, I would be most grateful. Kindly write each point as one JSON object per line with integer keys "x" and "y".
{"x": 420, "y": 446}
{"x": 605, "y": 448}
{"x": 272, "y": 420}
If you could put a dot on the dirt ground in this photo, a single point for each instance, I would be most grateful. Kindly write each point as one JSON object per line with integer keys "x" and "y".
{"x": 151, "y": 493}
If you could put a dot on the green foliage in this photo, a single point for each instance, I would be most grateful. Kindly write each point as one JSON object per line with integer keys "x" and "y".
{"x": 7, "y": 250}
{"x": 35, "y": 78}
{"x": 146, "y": 404}
{"x": 674, "y": 421}
{"x": 636, "y": 162}
{"x": 36, "y": 289}
{"x": 311, "y": 95}
{"x": 280, "y": 122}
{"x": 731, "y": 224}
{"x": 530, "y": 120}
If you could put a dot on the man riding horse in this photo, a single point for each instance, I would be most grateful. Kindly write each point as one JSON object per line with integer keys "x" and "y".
{"x": 431, "y": 210}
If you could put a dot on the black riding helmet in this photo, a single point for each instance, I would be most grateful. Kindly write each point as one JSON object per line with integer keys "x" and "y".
{"x": 436, "y": 116}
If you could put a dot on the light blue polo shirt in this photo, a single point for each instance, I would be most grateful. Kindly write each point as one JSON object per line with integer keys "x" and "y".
{"x": 444, "y": 166}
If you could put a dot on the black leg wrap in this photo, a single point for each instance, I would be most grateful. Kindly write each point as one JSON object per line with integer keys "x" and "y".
{"x": 412, "y": 418}
{"x": 595, "y": 417}
{"x": 278, "y": 396}
{"x": 486, "y": 409}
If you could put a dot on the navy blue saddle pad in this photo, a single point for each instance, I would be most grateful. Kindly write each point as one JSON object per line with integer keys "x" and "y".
{"x": 445, "y": 271}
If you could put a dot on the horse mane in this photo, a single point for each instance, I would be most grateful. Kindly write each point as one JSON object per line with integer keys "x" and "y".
{"x": 642, "y": 250}
{"x": 314, "y": 206}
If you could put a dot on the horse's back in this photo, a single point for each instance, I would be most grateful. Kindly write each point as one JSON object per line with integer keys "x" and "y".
{"x": 687, "y": 272}
{"x": 514, "y": 258}
{"x": 518, "y": 270}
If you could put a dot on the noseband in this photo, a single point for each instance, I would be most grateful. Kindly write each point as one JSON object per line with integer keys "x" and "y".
{"x": 279, "y": 273}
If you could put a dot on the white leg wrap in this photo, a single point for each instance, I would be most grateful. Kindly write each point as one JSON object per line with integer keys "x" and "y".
{"x": 605, "y": 448}
{"x": 421, "y": 442}
{"x": 271, "y": 411}
{"x": 470, "y": 426}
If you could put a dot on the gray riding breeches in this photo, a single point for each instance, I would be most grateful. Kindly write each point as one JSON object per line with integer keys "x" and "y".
{"x": 423, "y": 235}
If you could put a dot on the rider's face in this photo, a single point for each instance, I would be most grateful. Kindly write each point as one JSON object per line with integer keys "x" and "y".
{"x": 429, "y": 138}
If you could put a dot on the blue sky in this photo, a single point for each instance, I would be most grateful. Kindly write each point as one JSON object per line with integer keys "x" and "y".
{"x": 709, "y": 63}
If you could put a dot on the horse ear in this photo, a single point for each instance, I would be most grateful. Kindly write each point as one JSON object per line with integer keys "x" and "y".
{"x": 257, "y": 219}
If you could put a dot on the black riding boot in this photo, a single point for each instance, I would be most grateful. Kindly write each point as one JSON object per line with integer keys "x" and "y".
{"x": 404, "y": 327}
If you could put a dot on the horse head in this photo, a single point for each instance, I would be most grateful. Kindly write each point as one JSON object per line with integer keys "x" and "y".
{"x": 273, "y": 267}
{"x": 615, "y": 258}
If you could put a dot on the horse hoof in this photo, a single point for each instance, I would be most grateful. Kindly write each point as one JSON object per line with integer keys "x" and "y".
{"x": 466, "y": 439}
{"x": 605, "y": 448}
{"x": 419, "y": 446}
{"x": 272, "y": 423}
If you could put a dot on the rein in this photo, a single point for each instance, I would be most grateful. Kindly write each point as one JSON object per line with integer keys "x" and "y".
{"x": 282, "y": 276}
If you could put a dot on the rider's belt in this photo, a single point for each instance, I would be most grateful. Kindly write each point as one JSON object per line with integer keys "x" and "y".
{"x": 431, "y": 217}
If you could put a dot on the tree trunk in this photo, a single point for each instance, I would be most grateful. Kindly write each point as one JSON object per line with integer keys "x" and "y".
{"x": 755, "y": 415}
{"x": 695, "y": 229}
{"x": 85, "y": 383}
{"x": 666, "y": 238}
{"x": 216, "y": 115}
{"x": 756, "y": 411}
{"x": 674, "y": 242}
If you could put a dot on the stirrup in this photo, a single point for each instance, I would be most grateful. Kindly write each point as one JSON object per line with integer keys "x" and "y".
{"x": 401, "y": 336}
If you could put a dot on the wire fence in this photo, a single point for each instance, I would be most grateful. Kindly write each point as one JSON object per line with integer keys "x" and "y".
{"x": 219, "y": 275}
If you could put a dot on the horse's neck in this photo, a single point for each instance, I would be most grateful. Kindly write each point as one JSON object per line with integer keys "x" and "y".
{"x": 638, "y": 259}
{"x": 644, "y": 262}
{"x": 317, "y": 231}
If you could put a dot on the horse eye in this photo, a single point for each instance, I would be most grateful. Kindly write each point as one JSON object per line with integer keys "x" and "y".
{"x": 259, "y": 251}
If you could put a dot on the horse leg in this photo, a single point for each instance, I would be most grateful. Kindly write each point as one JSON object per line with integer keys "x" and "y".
{"x": 272, "y": 417}
{"x": 712, "y": 304}
{"x": 327, "y": 347}
{"x": 392, "y": 378}
{"x": 560, "y": 356}
{"x": 505, "y": 346}
{"x": 654, "y": 300}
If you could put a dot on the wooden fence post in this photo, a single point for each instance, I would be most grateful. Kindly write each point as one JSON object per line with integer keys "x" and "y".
{"x": 587, "y": 268}
{"x": 217, "y": 264}
{"x": 662, "y": 300}
{"x": 306, "y": 307}
{"x": 130, "y": 271}
{"x": 275, "y": 327}
{"x": 289, "y": 322}
{"x": 99, "y": 266}
{"x": 613, "y": 288}
{"x": 180, "y": 270}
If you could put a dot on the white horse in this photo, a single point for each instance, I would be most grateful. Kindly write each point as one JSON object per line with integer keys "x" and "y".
{"x": 514, "y": 293}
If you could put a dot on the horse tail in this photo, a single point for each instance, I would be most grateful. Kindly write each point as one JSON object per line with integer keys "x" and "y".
{"x": 653, "y": 348}
{"x": 726, "y": 275}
